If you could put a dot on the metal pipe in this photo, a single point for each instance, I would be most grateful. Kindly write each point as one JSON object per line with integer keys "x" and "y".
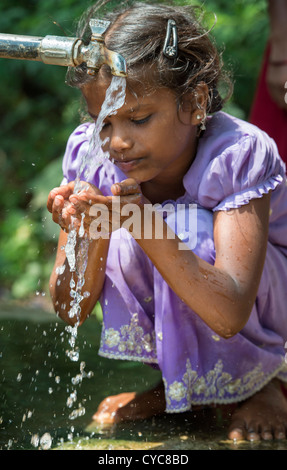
{"x": 65, "y": 51}
{"x": 54, "y": 50}
{"x": 19, "y": 47}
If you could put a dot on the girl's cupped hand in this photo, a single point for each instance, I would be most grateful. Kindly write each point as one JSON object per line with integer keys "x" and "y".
{"x": 79, "y": 210}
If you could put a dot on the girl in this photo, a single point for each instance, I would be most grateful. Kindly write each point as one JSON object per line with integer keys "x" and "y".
{"x": 205, "y": 301}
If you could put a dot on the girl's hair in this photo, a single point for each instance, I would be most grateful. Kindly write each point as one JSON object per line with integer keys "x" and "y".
{"x": 138, "y": 33}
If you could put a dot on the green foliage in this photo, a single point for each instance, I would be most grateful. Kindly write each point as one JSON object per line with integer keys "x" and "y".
{"x": 240, "y": 29}
{"x": 24, "y": 259}
{"x": 38, "y": 112}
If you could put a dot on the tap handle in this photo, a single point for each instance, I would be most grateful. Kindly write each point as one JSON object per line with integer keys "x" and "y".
{"x": 97, "y": 53}
{"x": 98, "y": 27}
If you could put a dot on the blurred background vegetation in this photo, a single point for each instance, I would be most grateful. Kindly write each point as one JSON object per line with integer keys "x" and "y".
{"x": 38, "y": 112}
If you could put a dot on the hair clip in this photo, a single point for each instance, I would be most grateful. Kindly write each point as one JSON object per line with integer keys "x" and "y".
{"x": 171, "y": 50}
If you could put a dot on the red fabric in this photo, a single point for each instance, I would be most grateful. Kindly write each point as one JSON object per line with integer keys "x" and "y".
{"x": 267, "y": 115}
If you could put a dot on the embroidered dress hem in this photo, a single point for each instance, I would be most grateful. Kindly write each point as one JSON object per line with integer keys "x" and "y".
{"x": 126, "y": 357}
{"x": 129, "y": 342}
{"x": 175, "y": 391}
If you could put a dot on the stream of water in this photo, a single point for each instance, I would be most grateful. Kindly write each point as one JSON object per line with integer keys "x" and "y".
{"x": 115, "y": 97}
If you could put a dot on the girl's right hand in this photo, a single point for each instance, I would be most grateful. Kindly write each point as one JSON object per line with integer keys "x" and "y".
{"x": 58, "y": 199}
{"x": 64, "y": 212}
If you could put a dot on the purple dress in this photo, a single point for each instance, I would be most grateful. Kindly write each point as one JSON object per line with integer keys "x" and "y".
{"x": 143, "y": 319}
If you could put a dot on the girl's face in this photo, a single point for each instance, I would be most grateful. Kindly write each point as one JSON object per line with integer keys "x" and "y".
{"x": 149, "y": 138}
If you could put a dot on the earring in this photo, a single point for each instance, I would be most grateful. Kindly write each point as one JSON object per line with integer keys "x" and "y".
{"x": 202, "y": 123}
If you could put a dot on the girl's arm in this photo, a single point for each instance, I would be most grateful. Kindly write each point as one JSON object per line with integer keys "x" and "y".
{"x": 224, "y": 294}
{"x": 64, "y": 211}
{"x": 94, "y": 276}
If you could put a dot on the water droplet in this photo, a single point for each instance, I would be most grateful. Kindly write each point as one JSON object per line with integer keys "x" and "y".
{"x": 73, "y": 355}
{"x": 46, "y": 441}
{"x": 82, "y": 230}
{"x": 35, "y": 440}
{"x": 60, "y": 269}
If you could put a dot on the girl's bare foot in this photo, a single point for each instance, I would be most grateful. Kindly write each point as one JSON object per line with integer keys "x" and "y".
{"x": 131, "y": 406}
{"x": 263, "y": 416}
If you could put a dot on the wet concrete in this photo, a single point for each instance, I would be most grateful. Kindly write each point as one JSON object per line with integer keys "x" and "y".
{"x": 36, "y": 380}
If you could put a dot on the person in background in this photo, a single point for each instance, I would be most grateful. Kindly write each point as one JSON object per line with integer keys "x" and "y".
{"x": 269, "y": 109}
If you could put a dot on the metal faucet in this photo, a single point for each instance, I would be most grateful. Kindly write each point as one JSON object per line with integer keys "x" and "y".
{"x": 65, "y": 51}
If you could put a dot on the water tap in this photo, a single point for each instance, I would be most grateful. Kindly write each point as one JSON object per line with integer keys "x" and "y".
{"x": 65, "y": 51}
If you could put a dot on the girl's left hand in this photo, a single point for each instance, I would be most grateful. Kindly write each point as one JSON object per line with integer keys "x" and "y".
{"x": 129, "y": 191}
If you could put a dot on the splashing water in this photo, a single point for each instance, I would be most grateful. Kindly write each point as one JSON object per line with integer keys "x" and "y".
{"x": 94, "y": 157}
{"x": 115, "y": 98}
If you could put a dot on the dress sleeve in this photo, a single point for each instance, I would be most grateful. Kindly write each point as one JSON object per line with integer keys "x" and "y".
{"x": 248, "y": 169}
